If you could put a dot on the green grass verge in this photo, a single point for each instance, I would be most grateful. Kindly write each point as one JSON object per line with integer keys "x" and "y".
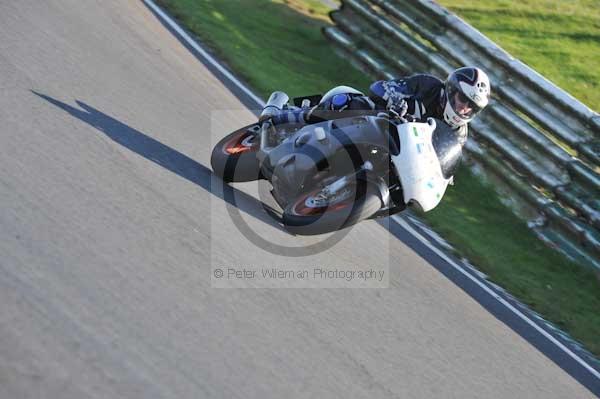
{"x": 267, "y": 43}
{"x": 278, "y": 46}
{"x": 486, "y": 232}
{"x": 559, "y": 39}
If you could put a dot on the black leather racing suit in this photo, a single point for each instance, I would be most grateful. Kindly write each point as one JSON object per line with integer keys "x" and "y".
{"x": 423, "y": 93}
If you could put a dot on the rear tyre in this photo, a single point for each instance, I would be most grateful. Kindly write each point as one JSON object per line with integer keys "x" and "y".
{"x": 309, "y": 214}
{"x": 234, "y": 158}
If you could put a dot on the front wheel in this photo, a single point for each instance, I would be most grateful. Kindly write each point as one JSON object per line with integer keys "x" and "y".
{"x": 316, "y": 212}
{"x": 234, "y": 158}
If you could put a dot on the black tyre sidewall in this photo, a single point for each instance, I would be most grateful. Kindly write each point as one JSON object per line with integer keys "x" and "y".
{"x": 240, "y": 167}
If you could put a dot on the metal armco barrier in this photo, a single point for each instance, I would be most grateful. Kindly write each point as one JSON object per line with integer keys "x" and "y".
{"x": 536, "y": 142}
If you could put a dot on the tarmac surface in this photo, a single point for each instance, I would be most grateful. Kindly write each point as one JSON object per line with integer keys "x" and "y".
{"x": 112, "y": 227}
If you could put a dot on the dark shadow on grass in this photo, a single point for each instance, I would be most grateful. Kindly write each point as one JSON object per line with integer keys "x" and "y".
{"x": 168, "y": 158}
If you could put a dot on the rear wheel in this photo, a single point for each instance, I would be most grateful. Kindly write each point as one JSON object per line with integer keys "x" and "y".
{"x": 234, "y": 157}
{"x": 316, "y": 212}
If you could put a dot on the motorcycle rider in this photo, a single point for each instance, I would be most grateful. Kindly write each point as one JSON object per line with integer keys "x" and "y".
{"x": 456, "y": 101}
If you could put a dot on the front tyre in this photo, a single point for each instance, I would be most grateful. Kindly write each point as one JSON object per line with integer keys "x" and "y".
{"x": 234, "y": 158}
{"x": 315, "y": 213}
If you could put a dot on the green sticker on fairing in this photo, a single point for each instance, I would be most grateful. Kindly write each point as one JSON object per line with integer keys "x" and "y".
{"x": 415, "y": 131}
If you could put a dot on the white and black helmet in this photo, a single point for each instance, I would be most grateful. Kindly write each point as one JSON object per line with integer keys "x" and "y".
{"x": 470, "y": 86}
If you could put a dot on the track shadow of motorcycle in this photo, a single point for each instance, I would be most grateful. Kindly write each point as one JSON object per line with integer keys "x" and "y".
{"x": 331, "y": 175}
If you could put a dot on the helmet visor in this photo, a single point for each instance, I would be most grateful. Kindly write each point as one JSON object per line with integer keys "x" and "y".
{"x": 462, "y": 105}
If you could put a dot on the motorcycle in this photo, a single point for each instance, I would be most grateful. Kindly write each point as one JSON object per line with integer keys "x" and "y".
{"x": 332, "y": 174}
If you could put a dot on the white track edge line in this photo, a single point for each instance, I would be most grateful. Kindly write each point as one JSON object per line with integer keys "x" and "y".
{"x": 173, "y": 25}
{"x": 498, "y": 297}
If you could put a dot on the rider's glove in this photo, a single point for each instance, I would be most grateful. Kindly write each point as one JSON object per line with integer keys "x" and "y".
{"x": 399, "y": 108}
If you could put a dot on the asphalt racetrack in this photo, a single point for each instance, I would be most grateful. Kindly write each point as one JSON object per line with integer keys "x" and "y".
{"x": 112, "y": 227}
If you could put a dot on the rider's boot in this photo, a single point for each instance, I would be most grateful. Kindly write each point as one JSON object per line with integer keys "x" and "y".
{"x": 277, "y": 102}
